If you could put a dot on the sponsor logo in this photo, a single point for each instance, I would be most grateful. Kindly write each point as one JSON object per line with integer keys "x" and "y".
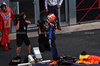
{"x": 7, "y": 16}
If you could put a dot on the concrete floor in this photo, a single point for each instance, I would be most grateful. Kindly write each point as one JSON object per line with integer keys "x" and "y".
{"x": 72, "y": 43}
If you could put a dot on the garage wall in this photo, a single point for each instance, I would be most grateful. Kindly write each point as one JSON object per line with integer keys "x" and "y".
{"x": 87, "y": 10}
{"x": 7, "y": 1}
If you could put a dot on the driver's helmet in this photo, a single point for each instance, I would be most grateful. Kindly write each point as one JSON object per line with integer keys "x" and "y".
{"x": 51, "y": 18}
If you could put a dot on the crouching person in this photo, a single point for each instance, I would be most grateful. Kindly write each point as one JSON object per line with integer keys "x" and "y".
{"x": 21, "y": 35}
{"x": 43, "y": 36}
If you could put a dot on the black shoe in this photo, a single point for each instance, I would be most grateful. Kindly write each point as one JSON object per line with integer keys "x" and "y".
{"x": 18, "y": 57}
{"x": 15, "y": 61}
{"x": 29, "y": 53}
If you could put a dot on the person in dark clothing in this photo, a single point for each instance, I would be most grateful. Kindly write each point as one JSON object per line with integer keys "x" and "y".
{"x": 55, "y": 56}
{"x": 43, "y": 36}
{"x": 51, "y": 7}
{"x": 52, "y": 25}
{"x": 21, "y": 34}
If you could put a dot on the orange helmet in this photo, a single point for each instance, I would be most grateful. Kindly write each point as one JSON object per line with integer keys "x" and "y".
{"x": 51, "y": 18}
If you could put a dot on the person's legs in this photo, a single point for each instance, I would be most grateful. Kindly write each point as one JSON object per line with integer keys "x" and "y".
{"x": 8, "y": 30}
{"x": 18, "y": 50}
{"x": 41, "y": 44}
{"x": 19, "y": 41}
{"x": 27, "y": 42}
{"x": 29, "y": 48}
{"x": 54, "y": 10}
{"x": 56, "y": 14}
{"x": 8, "y": 41}
{"x": 47, "y": 47}
{"x": 6, "y": 34}
{"x": 50, "y": 8}
{"x": 18, "y": 53}
{"x": 55, "y": 56}
{"x": 3, "y": 37}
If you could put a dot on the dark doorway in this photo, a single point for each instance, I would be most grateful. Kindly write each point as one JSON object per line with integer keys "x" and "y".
{"x": 28, "y": 9}
{"x": 42, "y": 9}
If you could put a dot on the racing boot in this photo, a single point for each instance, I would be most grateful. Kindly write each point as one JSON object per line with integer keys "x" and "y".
{"x": 53, "y": 63}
